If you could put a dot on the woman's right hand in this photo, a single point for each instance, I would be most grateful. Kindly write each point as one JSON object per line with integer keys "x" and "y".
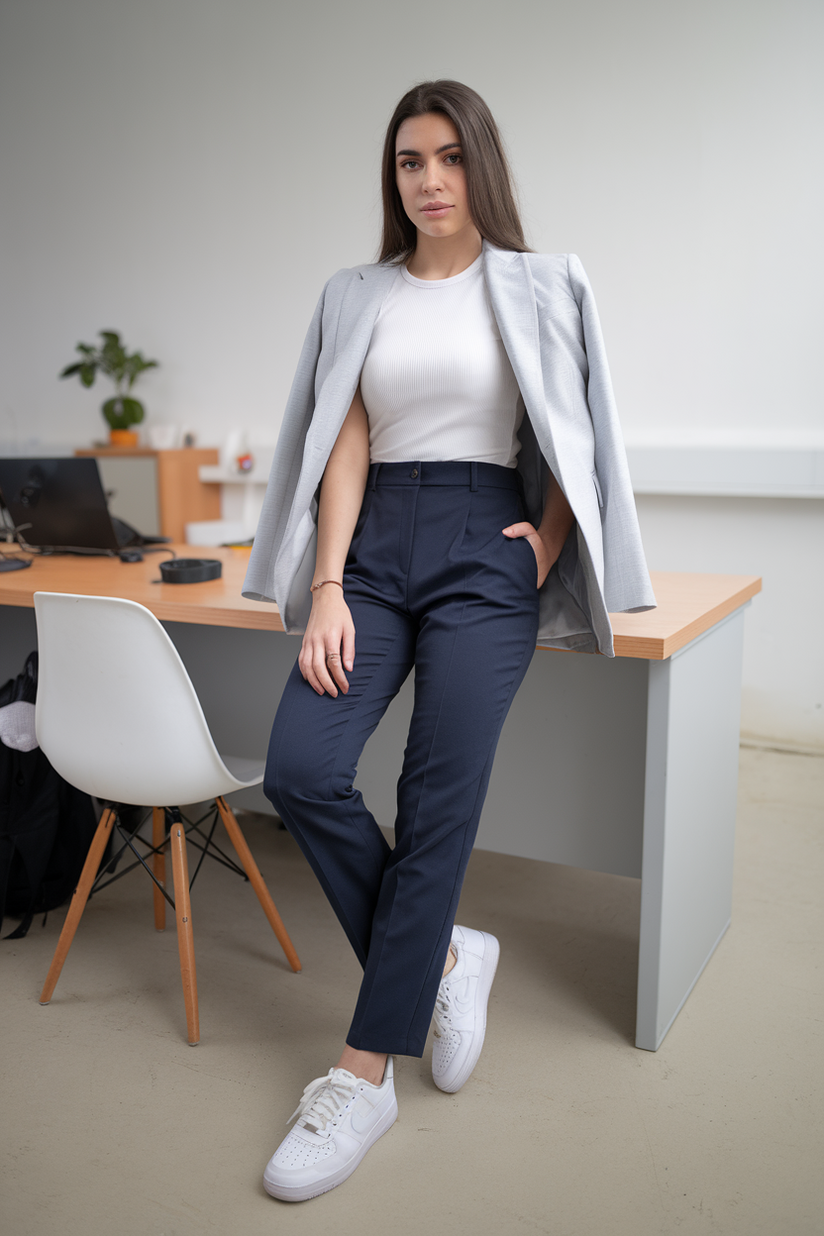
{"x": 329, "y": 642}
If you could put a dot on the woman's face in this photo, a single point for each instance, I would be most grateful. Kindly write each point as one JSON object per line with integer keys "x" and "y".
{"x": 430, "y": 175}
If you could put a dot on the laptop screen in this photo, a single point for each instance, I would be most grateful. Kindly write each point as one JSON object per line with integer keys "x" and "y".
{"x": 58, "y": 503}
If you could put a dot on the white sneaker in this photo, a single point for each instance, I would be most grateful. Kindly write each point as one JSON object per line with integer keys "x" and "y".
{"x": 339, "y": 1118}
{"x": 460, "y": 1009}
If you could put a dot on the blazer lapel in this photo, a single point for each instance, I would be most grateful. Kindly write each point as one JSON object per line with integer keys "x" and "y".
{"x": 512, "y": 295}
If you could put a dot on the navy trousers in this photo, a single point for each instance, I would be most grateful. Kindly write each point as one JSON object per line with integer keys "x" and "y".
{"x": 431, "y": 582}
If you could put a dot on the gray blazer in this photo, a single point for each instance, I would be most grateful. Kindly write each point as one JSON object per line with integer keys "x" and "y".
{"x": 546, "y": 315}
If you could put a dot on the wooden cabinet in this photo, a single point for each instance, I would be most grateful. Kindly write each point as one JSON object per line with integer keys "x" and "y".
{"x": 158, "y": 492}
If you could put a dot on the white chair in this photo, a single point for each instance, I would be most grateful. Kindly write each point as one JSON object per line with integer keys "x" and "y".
{"x": 118, "y": 717}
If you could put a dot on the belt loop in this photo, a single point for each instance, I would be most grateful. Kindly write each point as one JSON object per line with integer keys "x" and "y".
{"x": 373, "y": 475}
{"x": 473, "y": 477}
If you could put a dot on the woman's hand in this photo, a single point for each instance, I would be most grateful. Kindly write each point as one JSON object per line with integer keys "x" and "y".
{"x": 328, "y": 646}
{"x": 546, "y": 548}
{"x": 548, "y": 540}
{"x": 329, "y": 642}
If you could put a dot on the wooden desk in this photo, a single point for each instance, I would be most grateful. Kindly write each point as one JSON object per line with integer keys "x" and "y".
{"x": 626, "y": 765}
{"x": 688, "y": 605}
{"x": 215, "y": 603}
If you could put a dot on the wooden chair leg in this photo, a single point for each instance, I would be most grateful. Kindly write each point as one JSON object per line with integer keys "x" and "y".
{"x": 78, "y": 901}
{"x": 185, "y": 939}
{"x": 159, "y": 866}
{"x": 256, "y": 880}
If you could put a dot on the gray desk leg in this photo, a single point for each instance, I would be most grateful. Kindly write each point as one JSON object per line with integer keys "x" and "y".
{"x": 693, "y": 724}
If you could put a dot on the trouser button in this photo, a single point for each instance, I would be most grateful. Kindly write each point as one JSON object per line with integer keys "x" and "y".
{"x": 413, "y": 473}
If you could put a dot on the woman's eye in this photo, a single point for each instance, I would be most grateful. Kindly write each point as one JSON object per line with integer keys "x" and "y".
{"x": 409, "y": 163}
{"x": 453, "y": 160}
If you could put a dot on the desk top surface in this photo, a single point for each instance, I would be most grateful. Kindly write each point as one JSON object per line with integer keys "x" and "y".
{"x": 688, "y": 604}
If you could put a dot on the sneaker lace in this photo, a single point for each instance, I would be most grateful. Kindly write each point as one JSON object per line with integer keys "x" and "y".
{"x": 324, "y": 1098}
{"x": 440, "y": 1014}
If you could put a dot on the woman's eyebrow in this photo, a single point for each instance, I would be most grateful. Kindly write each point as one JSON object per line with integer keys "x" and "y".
{"x": 440, "y": 150}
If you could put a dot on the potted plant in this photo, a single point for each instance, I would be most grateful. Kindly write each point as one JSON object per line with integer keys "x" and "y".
{"x": 121, "y": 411}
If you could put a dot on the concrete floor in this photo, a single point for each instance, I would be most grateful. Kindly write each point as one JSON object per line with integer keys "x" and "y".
{"x": 111, "y": 1123}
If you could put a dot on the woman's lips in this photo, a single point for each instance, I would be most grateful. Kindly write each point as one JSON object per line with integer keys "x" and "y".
{"x": 436, "y": 211}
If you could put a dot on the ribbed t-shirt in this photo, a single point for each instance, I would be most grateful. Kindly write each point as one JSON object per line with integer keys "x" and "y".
{"x": 437, "y": 382}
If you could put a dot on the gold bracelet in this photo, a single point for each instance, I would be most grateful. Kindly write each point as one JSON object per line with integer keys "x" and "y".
{"x": 315, "y": 587}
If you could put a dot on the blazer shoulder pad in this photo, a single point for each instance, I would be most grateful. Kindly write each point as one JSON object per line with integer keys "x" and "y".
{"x": 343, "y": 279}
{"x": 552, "y": 277}
{"x": 366, "y": 270}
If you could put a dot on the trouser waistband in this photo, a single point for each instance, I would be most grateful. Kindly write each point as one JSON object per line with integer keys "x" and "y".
{"x": 471, "y": 473}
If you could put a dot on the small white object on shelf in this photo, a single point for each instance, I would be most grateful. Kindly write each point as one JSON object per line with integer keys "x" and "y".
{"x": 163, "y": 437}
{"x": 218, "y": 475}
{"x": 216, "y": 532}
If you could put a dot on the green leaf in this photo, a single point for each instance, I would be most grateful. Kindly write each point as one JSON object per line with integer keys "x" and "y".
{"x": 133, "y": 410}
{"x": 113, "y": 360}
{"x": 121, "y": 412}
{"x": 113, "y": 411}
{"x": 112, "y": 348}
{"x": 135, "y": 365}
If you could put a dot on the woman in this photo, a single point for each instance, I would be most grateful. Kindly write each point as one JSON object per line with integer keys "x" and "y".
{"x": 449, "y": 488}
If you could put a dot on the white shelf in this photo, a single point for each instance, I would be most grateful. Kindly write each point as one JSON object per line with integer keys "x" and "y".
{"x": 216, "y": 474}
{"x": 728, "y": 471}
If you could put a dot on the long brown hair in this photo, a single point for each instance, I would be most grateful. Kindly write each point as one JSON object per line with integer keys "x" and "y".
{"x": 488, "y": 179}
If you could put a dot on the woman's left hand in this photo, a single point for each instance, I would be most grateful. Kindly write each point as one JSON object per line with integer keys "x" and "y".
{"x": 545, "y": 553}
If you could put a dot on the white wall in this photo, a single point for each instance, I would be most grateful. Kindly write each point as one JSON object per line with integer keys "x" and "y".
{"x": 191, "y": 171}
{"x": 783, "y": 541}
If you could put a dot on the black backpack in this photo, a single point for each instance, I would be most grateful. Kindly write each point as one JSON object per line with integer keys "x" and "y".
{"x": 46, "y": 825}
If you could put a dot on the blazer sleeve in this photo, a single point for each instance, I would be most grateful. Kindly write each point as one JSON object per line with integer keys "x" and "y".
{"x": 283, "y": 478}
{"x": 627, "y": 585}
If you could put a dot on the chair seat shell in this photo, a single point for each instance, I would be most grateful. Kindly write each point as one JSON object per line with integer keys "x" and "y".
{"x": 117, "y": 714}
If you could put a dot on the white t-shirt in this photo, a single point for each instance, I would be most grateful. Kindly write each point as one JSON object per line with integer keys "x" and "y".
{"x": 437, "y": 382}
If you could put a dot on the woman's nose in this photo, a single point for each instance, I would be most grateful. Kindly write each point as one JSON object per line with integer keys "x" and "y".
{"x": 432, "y": 179}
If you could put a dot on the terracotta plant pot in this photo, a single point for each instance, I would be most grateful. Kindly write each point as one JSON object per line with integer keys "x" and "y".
{"x": 123, "y": 437}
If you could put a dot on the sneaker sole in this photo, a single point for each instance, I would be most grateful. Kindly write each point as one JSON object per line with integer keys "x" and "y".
{"x": 302, "y": 1193}
{"x": 489, "y": 964}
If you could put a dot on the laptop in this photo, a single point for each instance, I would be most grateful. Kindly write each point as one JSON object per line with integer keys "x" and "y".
{"x": 60, "y": 505}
